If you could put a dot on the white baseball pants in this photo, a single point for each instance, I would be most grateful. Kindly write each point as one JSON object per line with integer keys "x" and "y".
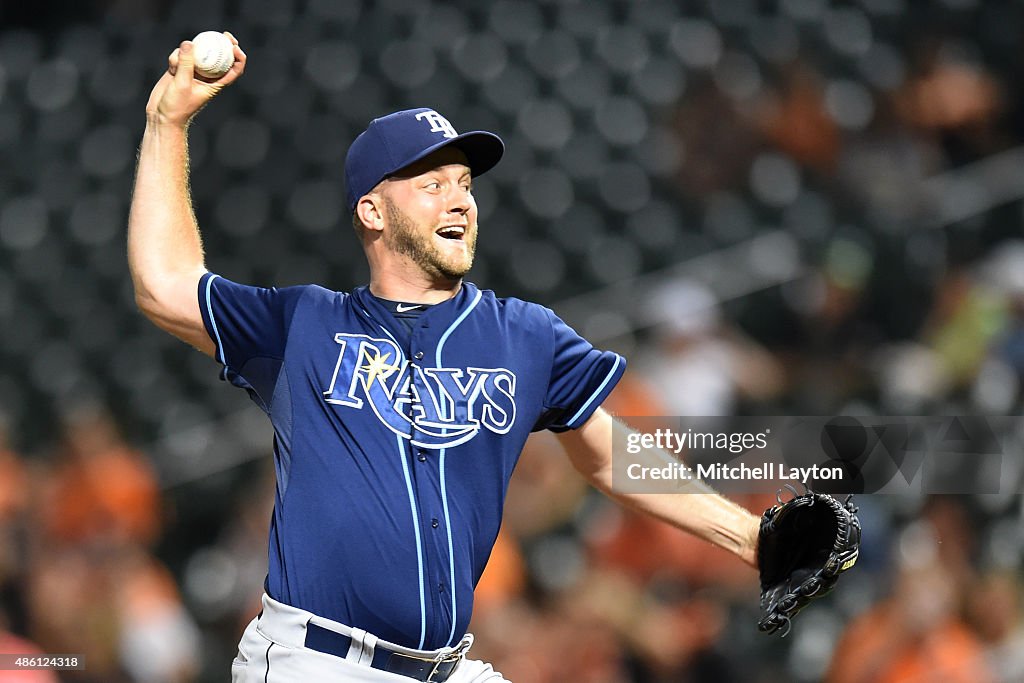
{"x": 272, "y": 650}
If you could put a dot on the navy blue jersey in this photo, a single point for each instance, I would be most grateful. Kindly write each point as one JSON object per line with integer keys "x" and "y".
{"x": 393, "y": 448}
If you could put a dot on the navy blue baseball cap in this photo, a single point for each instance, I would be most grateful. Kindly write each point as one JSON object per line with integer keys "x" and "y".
{"x": 392, "y": 142}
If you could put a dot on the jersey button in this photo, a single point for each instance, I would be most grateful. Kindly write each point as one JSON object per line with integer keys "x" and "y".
{"x": 440, "y": 588}
{"x": 419, "y": 355}
{"x": 434, "y": 523}
{"x": 422, "y": 456}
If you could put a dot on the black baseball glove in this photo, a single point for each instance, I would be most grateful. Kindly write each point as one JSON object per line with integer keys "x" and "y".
{"x": 804, "y": 545}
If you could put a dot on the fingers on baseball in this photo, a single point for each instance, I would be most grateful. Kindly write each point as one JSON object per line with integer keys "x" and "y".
{"x": 186, "y": 64}
{"x": 177, "y": 59}
{"x": 237, "y": 68}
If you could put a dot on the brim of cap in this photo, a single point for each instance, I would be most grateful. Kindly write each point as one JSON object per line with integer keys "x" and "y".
{"x": 483, "y": 151}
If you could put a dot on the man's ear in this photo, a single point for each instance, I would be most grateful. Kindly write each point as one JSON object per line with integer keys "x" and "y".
{"x": 370, "y": 210}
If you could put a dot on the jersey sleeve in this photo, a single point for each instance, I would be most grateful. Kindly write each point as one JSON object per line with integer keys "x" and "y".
{"x": 249, "y": 327}
{"x": 581, "y": 378}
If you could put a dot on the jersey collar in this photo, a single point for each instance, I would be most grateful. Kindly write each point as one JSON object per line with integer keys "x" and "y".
{"x": 439, "y": 313}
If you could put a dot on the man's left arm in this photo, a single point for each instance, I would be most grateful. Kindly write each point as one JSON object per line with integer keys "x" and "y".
{"x": 696, "y": 508}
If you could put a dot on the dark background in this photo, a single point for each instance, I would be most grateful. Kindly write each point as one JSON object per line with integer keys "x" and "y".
{"x": 799, "y": 207}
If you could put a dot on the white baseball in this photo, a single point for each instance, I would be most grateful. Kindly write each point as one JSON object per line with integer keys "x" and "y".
{"x": 214, "y": 54}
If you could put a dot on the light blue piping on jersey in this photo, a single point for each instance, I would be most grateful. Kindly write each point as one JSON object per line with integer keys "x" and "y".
{"x": 583, "y": 408}
{"x": 415, "y": 516}
{"x": 444, "y": 488}
{"x": 419, "y": 542}
{"x": 451, "y": 550}
{"x": 213, "y": 321}
{"x": 412, "y": 506}
{"x": 385, "y": 331}
{"x": 451, "y": 328}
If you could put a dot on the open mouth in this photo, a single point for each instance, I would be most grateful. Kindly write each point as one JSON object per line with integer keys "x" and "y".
{"x": 452, "y": 232}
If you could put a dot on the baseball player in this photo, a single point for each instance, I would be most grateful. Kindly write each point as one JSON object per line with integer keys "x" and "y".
{"x": 399, "y": 408}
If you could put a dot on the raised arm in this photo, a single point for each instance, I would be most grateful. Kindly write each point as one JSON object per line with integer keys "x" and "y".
{"x": 165, "y": 251}
{"x": 697, "y": 509}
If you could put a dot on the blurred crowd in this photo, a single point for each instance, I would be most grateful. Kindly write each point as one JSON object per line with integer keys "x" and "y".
{"x": 78, "y": 573}
{"x": 577, "y": 589}
{"x": 880, "y": 139}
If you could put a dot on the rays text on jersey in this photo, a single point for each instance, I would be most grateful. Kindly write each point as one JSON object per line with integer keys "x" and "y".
{"x": 433, "y": 407}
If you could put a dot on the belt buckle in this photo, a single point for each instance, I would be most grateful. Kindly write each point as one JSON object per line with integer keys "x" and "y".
{"x": 444, "y": 657}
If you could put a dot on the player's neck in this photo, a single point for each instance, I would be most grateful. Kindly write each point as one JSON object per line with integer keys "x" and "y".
{"x": 420, "y": 290}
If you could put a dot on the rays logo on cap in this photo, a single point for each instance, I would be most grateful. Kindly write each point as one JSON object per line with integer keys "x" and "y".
{"x": 401, "y": 138}
{"x": 438, "y": 123}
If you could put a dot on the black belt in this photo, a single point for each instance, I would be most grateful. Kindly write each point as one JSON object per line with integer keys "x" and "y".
{"x": 428, "y": 670}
